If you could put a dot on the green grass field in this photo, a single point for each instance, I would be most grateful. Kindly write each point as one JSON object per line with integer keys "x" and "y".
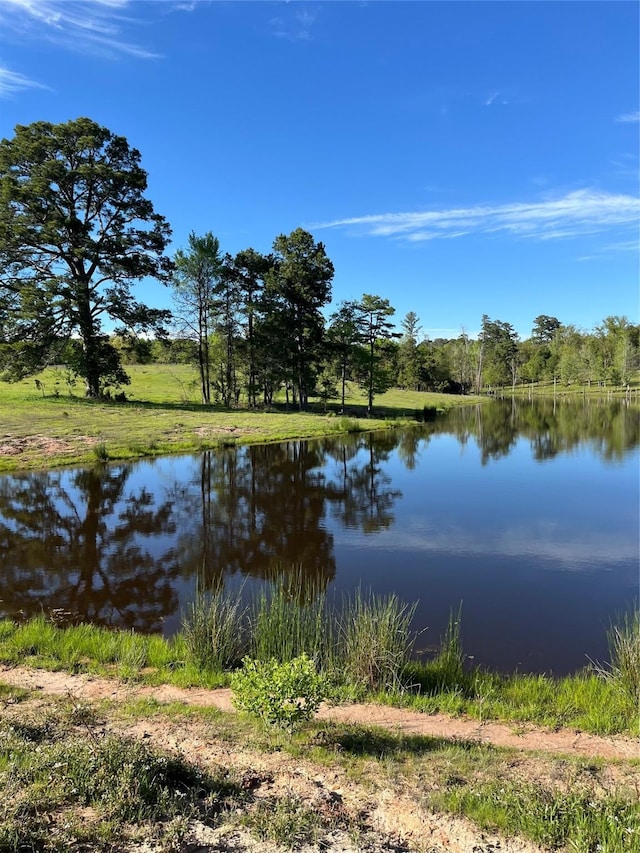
{"x": 46, "y": 423}
{"x": 548, "y": 388}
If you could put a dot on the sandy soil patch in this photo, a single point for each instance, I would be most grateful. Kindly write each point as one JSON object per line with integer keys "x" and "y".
{"x": 41, "y": 444}
{"x": 521, "y": 737}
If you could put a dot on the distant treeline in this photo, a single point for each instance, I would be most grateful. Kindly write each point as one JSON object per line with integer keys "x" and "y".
{"x": 608, "y": 356}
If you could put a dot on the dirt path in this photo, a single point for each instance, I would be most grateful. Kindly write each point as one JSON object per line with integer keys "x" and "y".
{"x": 390, "y": 813}
{"x": 516, "y": 736}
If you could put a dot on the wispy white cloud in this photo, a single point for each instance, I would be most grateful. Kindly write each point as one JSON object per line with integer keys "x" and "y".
{"x": 629, "y": 117}
{"x": 575, "y": 214}
{"x": 98, "y": 26}
{"x": 496, "y": 98}
{"x": 606, "y": 250}
{"x": 295, "y": 24}
{"x": 12, "y": 81}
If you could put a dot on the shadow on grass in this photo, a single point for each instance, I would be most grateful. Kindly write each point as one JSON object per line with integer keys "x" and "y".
{"x": 140, "y": 404}
{"x": 428, "y": 413}
{"x": 380, "y": 743}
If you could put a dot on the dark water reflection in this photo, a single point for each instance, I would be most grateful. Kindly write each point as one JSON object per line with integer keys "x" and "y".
{"x": 528, "y": 513}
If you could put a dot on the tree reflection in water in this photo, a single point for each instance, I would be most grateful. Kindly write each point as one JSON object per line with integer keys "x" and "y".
{"x": 77, "y": 542}
{"x": 98, "y": 545}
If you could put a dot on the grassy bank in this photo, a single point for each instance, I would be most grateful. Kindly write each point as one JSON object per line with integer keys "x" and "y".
{"x": 52, "y": 424}
{"x": 364, "y": 648}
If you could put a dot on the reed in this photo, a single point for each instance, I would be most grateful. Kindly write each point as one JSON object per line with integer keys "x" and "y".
{"x": 289, "y": 619}
{"x": 214, "y": 630}
{"x": 623, "y": 670}
{"x": 376, "y": 640}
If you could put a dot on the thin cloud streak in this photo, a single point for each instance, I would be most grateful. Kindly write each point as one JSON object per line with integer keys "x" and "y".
{"x": 579, "y": 213}
{"x": 629, "y": 117}
{"x": 82, "y": 25}
{"x": 12, "y": 82}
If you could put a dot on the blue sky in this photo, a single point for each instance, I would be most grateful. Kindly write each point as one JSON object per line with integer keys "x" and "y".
{"x": 457, "y": 158}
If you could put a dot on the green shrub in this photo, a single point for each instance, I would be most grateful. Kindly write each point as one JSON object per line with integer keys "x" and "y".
{"x": 286, "y": 822}
{"x": 282, "y": 694}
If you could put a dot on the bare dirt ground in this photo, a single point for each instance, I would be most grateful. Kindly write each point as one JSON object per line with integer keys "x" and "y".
{"x": 389, "y": 816}
{"x": 516, "y": 736}
{"x": 43, "y": 444}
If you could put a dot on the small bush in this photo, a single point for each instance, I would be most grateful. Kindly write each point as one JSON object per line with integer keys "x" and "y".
{"x": 349, "y": 425}
{"x": 285, "y": 822}
{"x": 282, "y": 694}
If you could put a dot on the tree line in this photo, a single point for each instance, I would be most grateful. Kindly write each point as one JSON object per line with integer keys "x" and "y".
{"x": 77, "y": 231}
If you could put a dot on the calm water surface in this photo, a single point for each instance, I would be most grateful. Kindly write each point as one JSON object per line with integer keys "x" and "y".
{"x": 525, "y": 513}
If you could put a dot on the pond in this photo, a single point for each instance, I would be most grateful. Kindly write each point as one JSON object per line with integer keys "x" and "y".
{"x": 524, "y": 513}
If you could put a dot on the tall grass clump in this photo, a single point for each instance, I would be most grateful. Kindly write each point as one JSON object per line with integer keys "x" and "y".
{"x": 623, "y": 671}
{"x": 100, "y": 451}
{"x": 349, "y": 425}
{"x": 289, "y": 619}
{"x": 214, "y": 629}
{"x": 376, "y": 640}
{"x": 572, "y": 820}
{"x": 446, "y": 671}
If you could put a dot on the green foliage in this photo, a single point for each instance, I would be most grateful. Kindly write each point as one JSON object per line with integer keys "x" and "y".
{"x": 585, "y": 701}
{"x": 445, "y": 673}
{"x": 196, "y": 288}
{"x": 342, "y": 338}
{"x": 349, "y": 425}
{"x": 374, "y": 329}
{"x": 75, "y": 231}
{"x": 499, "y": 352}
{"x": 281, "y": 694}
{"x": 63, "y": 781}
{"x": 297, "y": 287}
{"x": 100, "y": 451}
{"x": 551, "y": 818}
{"x": 285, "y": 821}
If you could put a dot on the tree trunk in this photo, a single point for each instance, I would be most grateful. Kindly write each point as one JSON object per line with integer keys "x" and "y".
{"x": 371, "y": 366}
{"x": 203, "y": 368}
{"x": 90, "y": 345}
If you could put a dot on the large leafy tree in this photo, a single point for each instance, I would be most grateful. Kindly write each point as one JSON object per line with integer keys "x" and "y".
{"x": 500, "y": 352}
{"x": 76, "y": 230}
